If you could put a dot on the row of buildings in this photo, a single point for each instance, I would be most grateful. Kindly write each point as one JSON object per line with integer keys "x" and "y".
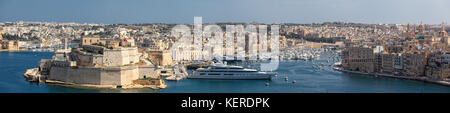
{"x": 420, "y": 53}
{"x": 9, "y": 45}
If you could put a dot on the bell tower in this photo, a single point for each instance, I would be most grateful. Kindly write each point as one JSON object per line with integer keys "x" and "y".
{"x": 443, "y": 32}
{"x": 421, "y": 29}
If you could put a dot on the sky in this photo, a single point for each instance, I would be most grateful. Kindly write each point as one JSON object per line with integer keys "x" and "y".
{"x": 263, "y": 11}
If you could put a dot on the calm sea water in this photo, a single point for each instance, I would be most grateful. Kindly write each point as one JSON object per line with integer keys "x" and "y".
{"x": 308, "y": 80}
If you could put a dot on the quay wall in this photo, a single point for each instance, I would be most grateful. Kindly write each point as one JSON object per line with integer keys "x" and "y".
{"x": 75, "y": 75}
{"x": 95, "y": 75}
{"x": 423, "y": 79}
{"x": 128, "y": 75}
{"x": 148, "y": 72}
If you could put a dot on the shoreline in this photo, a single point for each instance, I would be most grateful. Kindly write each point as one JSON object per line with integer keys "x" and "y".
{"x": 20, "y": 50}
{"x": 132, "y": 86}
{"x": 422, "y": 79}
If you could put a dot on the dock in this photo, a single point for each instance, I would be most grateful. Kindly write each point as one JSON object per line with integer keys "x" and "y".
{"x": 179, "y": 72}
{"x": 33, "y": 75}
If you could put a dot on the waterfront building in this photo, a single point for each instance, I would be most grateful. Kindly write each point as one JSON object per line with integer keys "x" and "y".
{"x": 378, "y": 50}
{"x": 388, "y": 60}
{"x": 378, "y": 64}
{"x": 91, "y": 40}
{"x": 10, "y": 45}
{"x": 414, "y": 63}
{"x": 438, "y": 65}
{"x": 160, "y": 57}
{"x": 398, "y": 63}
{"x": 359, "y": 59}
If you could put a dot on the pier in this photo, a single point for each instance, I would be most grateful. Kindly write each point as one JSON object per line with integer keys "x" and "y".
{"x": 179, "y": 72}
{"x": 33, "y": 75}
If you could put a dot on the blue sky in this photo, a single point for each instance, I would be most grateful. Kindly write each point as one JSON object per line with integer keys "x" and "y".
{"x": 266, "y": 11}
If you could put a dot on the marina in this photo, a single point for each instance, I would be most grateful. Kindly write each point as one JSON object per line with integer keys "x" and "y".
{"x": 301, "y": 54}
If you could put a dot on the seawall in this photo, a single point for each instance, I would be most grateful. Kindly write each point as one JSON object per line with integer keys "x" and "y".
{"x": 95, "y": 75}
{"x": 423, "y": 79}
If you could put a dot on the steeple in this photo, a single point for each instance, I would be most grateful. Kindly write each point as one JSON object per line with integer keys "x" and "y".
{"x": 443, "y": 32}
{"x": 375, "y": 28}
{"x": 408, "y": 29}
{"x": 422, "y": 28}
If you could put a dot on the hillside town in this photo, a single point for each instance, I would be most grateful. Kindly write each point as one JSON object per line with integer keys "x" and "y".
{"x": 419, "y": 52}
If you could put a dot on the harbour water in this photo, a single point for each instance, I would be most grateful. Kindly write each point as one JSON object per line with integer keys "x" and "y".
{"x": 308, "y": 80}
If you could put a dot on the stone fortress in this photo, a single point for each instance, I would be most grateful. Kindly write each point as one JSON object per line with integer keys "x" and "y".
{"x": 100, "y": 62}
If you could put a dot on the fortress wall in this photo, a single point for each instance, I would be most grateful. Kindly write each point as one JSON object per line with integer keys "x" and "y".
{"x": 97, "y": 59}
{"x": 58, "y": 73}
{"x": 119, "y": 76}
{"x": 129, "y": 55}
{"x": 85, "y": 76}
{"x": 133, "y": 55}
{"x": 112, "y": 58}
{"x": 82, "y": 59}
{"x": 111, "y": 76}
{"x": 94, "y": 49}
{"x": 125, "y": 57}
{"x": 147, "y": 71}
{"x": 75, "y": 75}
{"x": 120, "y": 57}
{"x": 95, "y": 76}
{"x": 129, "y": 75}
{"x": 85, "y": 60}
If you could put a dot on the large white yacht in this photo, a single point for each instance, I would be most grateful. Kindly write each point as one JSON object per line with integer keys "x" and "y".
{"x": 223, "y": 71}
